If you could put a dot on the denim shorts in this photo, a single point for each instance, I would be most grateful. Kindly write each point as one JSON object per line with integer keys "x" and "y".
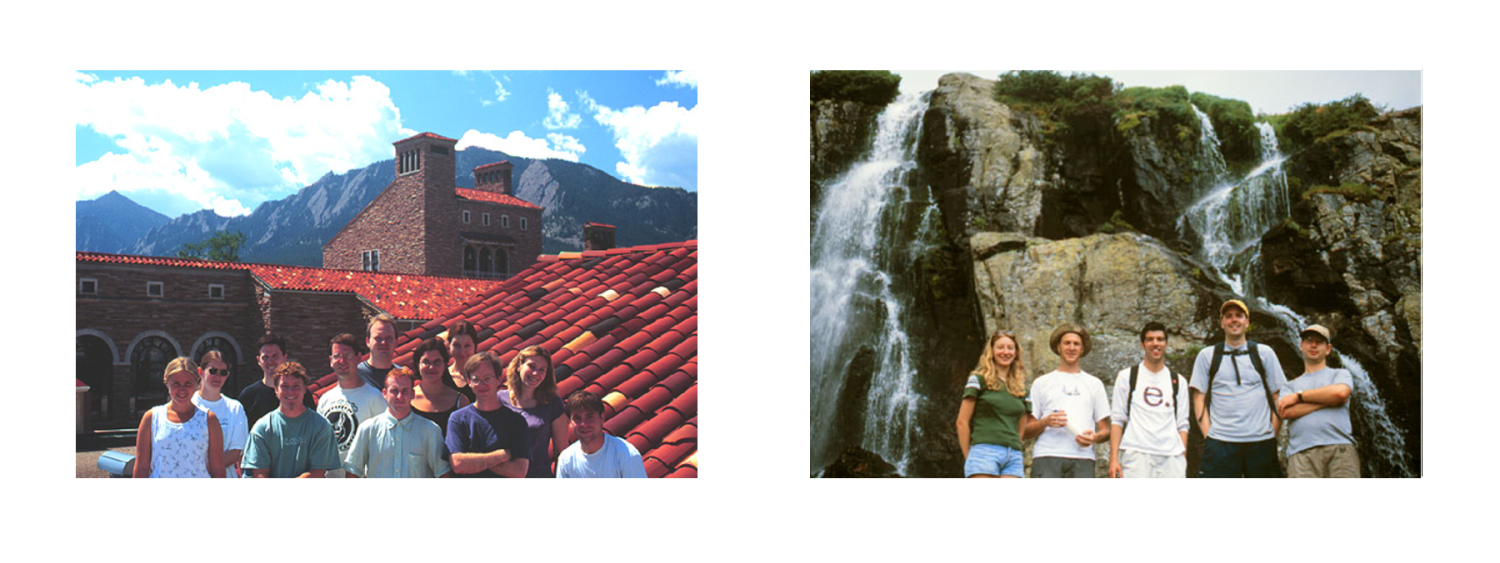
{"x": 991, "y": 459}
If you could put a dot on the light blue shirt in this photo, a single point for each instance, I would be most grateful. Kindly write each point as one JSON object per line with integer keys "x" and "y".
{"x": 385, "y": 447}
{"x": 1238, "y": 411}
{"x": 1323, "y": 427}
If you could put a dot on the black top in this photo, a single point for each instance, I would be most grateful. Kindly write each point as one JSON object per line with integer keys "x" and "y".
{"x": 440, "y": 417}
{"x": 260, "y": 400}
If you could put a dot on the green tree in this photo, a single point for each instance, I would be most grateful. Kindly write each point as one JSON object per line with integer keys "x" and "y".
{"x": 874, "y": 87}
{"x": 223, "y": 246}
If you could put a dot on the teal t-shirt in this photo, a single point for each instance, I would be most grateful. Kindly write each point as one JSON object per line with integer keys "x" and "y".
{"x": 291, "y": 446}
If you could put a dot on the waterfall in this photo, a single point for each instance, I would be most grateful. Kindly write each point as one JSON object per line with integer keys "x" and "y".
{"x": 857, "y": 248}
{"x": 1230, "y": 221}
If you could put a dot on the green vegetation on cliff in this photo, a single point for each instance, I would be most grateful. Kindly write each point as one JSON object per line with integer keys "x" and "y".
{"x": 1310, "y": 123}
{"x": 874, "y": 87}
{"x": 1234, "y": 121}
{"x": 1063, "y": 102}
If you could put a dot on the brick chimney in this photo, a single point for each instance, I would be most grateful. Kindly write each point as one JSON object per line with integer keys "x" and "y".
{"x": 493, "y": 177}
{"x": 428, "y": 159}
{"x": 598, "y": 236}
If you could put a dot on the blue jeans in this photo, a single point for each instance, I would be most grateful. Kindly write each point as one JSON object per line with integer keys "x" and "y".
{"x": 992, "y": 459}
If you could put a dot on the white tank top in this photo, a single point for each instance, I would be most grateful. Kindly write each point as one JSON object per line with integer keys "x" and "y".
{"x": 179, "y": 449}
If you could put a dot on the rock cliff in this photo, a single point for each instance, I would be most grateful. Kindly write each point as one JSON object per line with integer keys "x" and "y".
{"x": 1036, "y": 229}
{"x": 1350, "y": 257}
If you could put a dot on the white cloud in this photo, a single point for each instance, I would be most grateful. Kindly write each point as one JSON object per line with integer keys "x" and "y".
{"x": 659, "y": 144}
{"x": 230, "y": 147}
{"x": 557, "y": 113}
{"x": 679, "y": 78}
{"x": 556, "y": 145}
{"x": 500, "y": 93}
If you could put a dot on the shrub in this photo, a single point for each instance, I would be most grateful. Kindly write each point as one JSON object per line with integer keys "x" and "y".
{"x": 1234, "y": 122}
{"x": 1312, "y": 122}
{"x": 875, "y": 87}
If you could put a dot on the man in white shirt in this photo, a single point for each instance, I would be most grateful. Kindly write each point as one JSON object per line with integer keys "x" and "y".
{"x": 1071, "y": 410}
{"x": 596, "y": 453}
{"x": 1149, "y": 423}
{"x": 352, "y": 401}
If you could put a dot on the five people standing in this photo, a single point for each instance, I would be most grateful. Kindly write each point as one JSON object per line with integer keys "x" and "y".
{"x": 1237, "y": 395}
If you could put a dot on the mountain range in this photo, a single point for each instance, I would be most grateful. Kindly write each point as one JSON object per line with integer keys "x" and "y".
{"x": 293, "y": 230}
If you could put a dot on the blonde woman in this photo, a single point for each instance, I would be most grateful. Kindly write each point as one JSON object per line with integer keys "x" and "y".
{"x": 531, "y": 391}
{"x": 179, "y": 439}
{"x": 993, "y": 411}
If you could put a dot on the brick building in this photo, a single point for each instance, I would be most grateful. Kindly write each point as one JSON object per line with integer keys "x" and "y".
{"x": 422, "y": 223}
{"x": 135, "y": 313}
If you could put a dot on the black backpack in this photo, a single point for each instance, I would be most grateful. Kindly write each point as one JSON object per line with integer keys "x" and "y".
{"x": 1253, "y": 349}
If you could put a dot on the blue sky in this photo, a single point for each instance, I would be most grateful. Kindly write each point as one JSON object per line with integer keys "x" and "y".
{"x": 179, "y": 142}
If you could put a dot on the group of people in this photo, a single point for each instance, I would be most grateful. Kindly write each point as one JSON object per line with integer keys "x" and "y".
{"x": 1237, "y": 395}
{"x": 459, "y": 413}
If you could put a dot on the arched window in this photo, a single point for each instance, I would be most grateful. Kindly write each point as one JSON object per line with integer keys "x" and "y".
{"x": 486, "y": 264}
{"x": 147, "y": 363}
{"x": 95, "y": 368}
{"x": 470, "y": 262}
{"x": 227, "y": 349}
{"x": 502, "y": 263}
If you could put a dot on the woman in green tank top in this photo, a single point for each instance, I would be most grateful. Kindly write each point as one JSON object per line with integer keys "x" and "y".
{"x": 994, "y": 410}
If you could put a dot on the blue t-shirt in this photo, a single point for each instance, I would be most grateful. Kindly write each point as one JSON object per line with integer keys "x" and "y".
{"x": 473, "y": 431}
{"x": 539, "y": 425}
{"x": 373, "y": 375}
{"x": 1323, "y": 427}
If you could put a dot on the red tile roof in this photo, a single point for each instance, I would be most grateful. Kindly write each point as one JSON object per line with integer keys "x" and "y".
{"x": 481, "y": 195}
{"x": 599, "y": 225}
{"x": 426, "y": 135}
{"x": 491, "y": 165}
{"x": 621, "y": 323}
{"x": 404, "y": 296}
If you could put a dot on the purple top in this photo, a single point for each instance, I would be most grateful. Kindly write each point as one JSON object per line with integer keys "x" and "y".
{"x": 539, "y": 427}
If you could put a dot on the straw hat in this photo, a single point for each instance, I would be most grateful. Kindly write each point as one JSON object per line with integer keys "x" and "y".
{"x": 1088, "y": 343}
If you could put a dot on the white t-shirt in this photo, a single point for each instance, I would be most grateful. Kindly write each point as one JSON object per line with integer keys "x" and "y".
{"x": 345, "y": 409}
{"x": 1152, "y": 428}
{"x": 232, "y": 422}
{"x": 1082, "y": 397}
{"x": 616, "y": 458}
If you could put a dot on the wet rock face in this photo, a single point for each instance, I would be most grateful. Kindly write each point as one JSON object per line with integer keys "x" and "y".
{"x": 991, "y": 170}
{"x": 1353, "y": 260}
{"x": 856, "y": 462}
{"x": 983, "y": 161}
{"x": 840, "y": 133}
{"x": 1110, "y": 284}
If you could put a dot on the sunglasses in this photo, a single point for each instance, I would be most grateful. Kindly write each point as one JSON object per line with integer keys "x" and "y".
{"x": 217, "y": 371}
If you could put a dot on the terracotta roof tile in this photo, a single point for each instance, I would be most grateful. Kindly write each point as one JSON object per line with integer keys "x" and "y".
{"x": 636, "y": 346}
{"x": 494, "y": 197}
{"x": 404, "y": 296}
{"x": 491, "y": 165}
{"x": 427, "y": 135}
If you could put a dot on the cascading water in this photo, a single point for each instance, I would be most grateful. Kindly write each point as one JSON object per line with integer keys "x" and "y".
{"x": 856, "y": 249}
{"x": 1230, "y": 221}
{"x": 1233, "y": 216}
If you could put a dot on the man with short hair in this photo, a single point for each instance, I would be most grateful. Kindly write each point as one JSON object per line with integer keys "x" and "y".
{"x": 596, "y": 453}
{"x": 259, "y": 398}
{"x": 1316, "y": 408}
{"x": 395, "y": 443}
{"x": 352, "y": 401}
{"x": 381, "y": 340}
{"x": 1234, "y": 388}
{"x": 291, "y": 441}
{"x": 487, "y": 439}
{"x": 1149, "y": 424}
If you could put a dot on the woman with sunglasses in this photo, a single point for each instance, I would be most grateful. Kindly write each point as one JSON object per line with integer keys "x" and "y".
{"x": 234, "y": 426}
{"x": 179, "y": 439}
{"x": 437, "y": 397}
{"x": 462, "y": 338}
{"x": 531, "y": 391}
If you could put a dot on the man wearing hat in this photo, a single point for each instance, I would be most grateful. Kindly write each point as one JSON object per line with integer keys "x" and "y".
{"x": 1071, "y": 410}
{"x": 1316, "y": 408}
{"x": 1238, "y": 417}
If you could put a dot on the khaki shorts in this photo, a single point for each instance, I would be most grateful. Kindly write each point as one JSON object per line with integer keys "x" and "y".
{"x": 1337, "y": 460}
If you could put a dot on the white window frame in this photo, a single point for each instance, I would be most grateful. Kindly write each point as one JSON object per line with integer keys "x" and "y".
{"x": 369, "y": 260}
{"x": 466, "y": 216}
{"x": 505, "y": 221}
{"x": 82, "y": 281}
{"x": 523, "y": 223}
{"x": 212, "y": 287}
{"x": 485, "y": 219}
{"x": 161, "y": 289}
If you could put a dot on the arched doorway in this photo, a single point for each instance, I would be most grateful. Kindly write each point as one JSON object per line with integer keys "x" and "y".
{"x": 95, "y": 368}
{"x": 148, "y": 361}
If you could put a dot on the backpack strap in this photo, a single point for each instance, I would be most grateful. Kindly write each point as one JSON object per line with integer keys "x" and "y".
{"x": 1253, "y": 349}
{"x": 1175, "y": 387}
{"x": 1129, "y": 401}
{"x": 1213, "y": 368}
{"x": 1260, "y": 368}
